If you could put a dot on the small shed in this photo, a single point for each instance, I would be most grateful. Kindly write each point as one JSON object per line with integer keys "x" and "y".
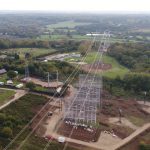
{"x": 2, "y": 71}
{"x": 2, "y": 57}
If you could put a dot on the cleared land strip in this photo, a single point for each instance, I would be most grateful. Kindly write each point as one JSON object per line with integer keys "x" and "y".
{"x": 111, "y": 147}
{"x": 131, "y": 137}
{"x": 19, "y": 93}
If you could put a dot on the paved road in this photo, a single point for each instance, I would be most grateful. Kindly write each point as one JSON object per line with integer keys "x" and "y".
{"x": 19, "y": 93}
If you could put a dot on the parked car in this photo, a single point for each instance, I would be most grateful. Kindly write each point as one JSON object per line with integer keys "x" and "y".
{"x": 50, "y": 113}
{"x": 19, "y": 86}
{"x": 61, "y": 139}
{"x": 49, "y": 137}
{"x": 1, "y": 83}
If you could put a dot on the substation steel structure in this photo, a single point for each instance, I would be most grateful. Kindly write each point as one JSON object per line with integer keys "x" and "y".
{"x": 87, "y": 100}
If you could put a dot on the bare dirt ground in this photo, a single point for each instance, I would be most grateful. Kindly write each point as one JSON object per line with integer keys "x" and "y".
{"x": 41, "y": 129}
{"x": 108, "y": 120}
{"x": 124, "y": 122}
{"x": 51, "y": 122}
{"x": 100, "y": 67}
{"x": 133, "y": 141}
{"x": 48, "y": 124}
{"x": 145, "y": 106}
{"x": 45, "y": 84}
{"x": 107, "y": 140}
{"x": 78, "y": 133}
{"x": 129, "y": 107}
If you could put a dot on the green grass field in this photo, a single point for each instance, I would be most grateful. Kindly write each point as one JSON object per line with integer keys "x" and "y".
{"x": 64, "y": 37}
{"x": 4, "y": 78}
{"x": 33, "y": 51}
{"x": 66, "y": 24}
{"x": 116, "y": 70}
{"x": 6, "y": 95}
{"x": 76, "y": 37}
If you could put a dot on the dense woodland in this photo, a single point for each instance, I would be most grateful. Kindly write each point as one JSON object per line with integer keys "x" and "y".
{"x": 135, "y": 56}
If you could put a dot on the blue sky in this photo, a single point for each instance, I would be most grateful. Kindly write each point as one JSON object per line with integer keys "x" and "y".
{"x": 76, "y": 5}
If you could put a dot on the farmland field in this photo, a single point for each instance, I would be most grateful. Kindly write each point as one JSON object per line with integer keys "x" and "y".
{"x": 66, "y": 24}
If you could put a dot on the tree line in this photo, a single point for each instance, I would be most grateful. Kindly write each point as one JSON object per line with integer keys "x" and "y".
{"x": 136, "y": 84}
{"x": 70, "y": 45}
{"x": 135, "y": 56}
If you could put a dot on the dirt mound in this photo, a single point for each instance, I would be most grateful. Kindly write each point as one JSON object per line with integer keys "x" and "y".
{"x": 128, "y": 107}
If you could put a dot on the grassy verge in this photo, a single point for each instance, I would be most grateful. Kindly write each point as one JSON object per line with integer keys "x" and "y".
{"x": 137, "y": 120}
{"x": 116, "y": 70}
{"x": 6, "y": 95}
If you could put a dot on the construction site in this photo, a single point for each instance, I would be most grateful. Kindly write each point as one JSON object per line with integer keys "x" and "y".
{"x": 87, "y": 115}
{"x": 90, "y": 117}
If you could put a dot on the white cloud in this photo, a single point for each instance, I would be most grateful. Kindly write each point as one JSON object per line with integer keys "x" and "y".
{"x": 76, "y": 5}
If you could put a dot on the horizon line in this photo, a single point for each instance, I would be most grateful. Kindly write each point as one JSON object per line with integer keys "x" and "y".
{"x": 75, "y": 12}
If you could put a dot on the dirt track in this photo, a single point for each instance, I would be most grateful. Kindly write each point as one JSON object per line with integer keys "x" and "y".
{"x": 110, "y": 109}
{"x": 145, "y": 106}
{"x": 131, "y": 137}
{"x": 45, "y": 84}
{"x": 19, "y": 93}
{"x": 124, "y": 122}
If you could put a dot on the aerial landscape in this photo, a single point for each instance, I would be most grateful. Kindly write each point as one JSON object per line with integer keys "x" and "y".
{"x": 72, "y": 79}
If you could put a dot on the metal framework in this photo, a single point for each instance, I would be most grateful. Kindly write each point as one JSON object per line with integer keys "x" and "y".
{"x": 83, "y": 108}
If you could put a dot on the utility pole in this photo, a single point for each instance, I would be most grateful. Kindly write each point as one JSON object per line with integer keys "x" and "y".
{"x": 48, "y": 79}
{"x": 145, "y": 93}
{"x": 120, "y": 114}
{"x": 60, "y": 104}
{"x": 57, "y": 77}
{"x": 26, "y": 72}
